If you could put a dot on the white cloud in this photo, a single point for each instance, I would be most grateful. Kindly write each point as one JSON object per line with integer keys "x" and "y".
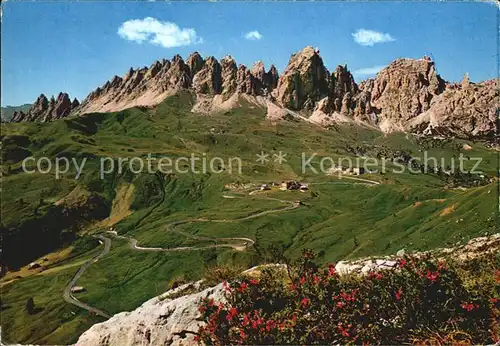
{"x": 369, "y": 37}
{"x": 253, "y": 35}
{"x": 165, "y": 34}
{"x": 368, "y": 70}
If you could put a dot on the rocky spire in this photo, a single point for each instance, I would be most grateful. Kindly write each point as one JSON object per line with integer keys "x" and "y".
{"x": 229, "y": 76}
{"x": 209, "y": 79}
{"x": 245, "y": 81}
{"x": 75, "y": 103}
{"x": 195, "y": 63}
{"x": 265, "y": 82}
{"x": 465, "y": 81}
{"x": 407, "y": 94}
{"x": 304, "y": 81}
{"x": 43, "y": 110}
{"x": 405, "y": 88}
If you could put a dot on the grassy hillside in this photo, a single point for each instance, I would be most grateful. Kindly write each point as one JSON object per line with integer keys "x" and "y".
{"x": 337, "y": 217}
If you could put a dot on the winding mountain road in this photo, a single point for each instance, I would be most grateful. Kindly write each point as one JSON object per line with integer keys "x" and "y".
{"x": 343, "y": 176}
{"x": 68, "y": 296}
{"x": 235, "y": 243}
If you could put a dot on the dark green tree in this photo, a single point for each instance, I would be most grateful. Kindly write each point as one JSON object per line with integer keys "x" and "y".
{"x": 30, "y": 306}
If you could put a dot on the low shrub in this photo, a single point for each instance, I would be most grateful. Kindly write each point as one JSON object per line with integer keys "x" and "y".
{"x": 214, "y": 275}
{"x": 422, "y": 301}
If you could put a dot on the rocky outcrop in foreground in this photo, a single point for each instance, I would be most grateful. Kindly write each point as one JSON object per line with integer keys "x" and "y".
{"x": 44, "y": 110}
{"x": 159, "y": 321}
{"x": 167, "y": 320}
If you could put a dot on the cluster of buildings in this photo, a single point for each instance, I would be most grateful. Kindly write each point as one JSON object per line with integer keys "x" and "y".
{"x": 348, "y": 170}
{"x": 286, "y": 185}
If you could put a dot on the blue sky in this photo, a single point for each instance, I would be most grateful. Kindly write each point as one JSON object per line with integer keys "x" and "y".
{"x": 74, "y": 47}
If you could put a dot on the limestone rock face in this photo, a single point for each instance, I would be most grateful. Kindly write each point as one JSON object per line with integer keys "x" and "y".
{"x": 209, "y": 79}
{"x": 205, "y": 78}
{"x": 343, "y": 92}
{"x": 304, "y": 81}
{"x": 265, "y": 82}
{"x": 465, "y": 109}
{"x": 140, "y": 87}
{"x": 159, "y": 321}
{"x": 44, "y": 110}
{"x": 246, "y": 82}
{"x": 195, "y": 63}
{"x": 408, "y": 95}
{"x": 229, "y": 76}
{"x": 344, "y": 98}
{"x": 75, "y": 103}
{"x": 178, "y": 76}
{"x": 405, "y": 88}
{"x": 272, "y": 78}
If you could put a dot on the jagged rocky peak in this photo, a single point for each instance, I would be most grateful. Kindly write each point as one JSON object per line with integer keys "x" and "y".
{"x": 17, "y": 117}
{"x": 115, "y": 82}
{"x": 143, "y": 86}
{"x": 209, "y": 79}
{"x": 366, "y": 85}
{"x": 63, "y": 105}
{"x": 273, "y": 77}
{"x": 43, "y": 110}
{"x": 245, "y": 81}
{"x": 195, "y": 63}
{"x": 75, "y": 103}
{"x": 41, "y": 103}
{"x": 229, "y": 75}
{"x": 465, "y": 81}
{"x": 342, "y": 81}
{"x": 405, "y": 88}
{"x": 259, "y": 71}
{"x": 407, "y": 95}
{"x": 342, "y": 91}
{"x": 134, "y": 79}
{"x": 266, "y": 82}
{"x": 129, "y": 73}
{"x": 304, "y": 81}
{"x": 468, "y": 109}
{"x": 178, "y": 75}
{"x": 153, "y": 69}
{"x": 345, "y": 97}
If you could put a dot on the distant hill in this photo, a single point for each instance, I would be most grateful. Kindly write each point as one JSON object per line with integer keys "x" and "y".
{"x": 8, "y": 111}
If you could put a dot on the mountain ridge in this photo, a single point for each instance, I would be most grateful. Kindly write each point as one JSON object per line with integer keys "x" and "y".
{"x": 8, "y": 111}
{"x": 408, "y": 95}
{"x": 44, "y": 110}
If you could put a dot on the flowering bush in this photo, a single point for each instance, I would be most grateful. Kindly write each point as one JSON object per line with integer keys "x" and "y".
{"x": 423, "y": 300}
